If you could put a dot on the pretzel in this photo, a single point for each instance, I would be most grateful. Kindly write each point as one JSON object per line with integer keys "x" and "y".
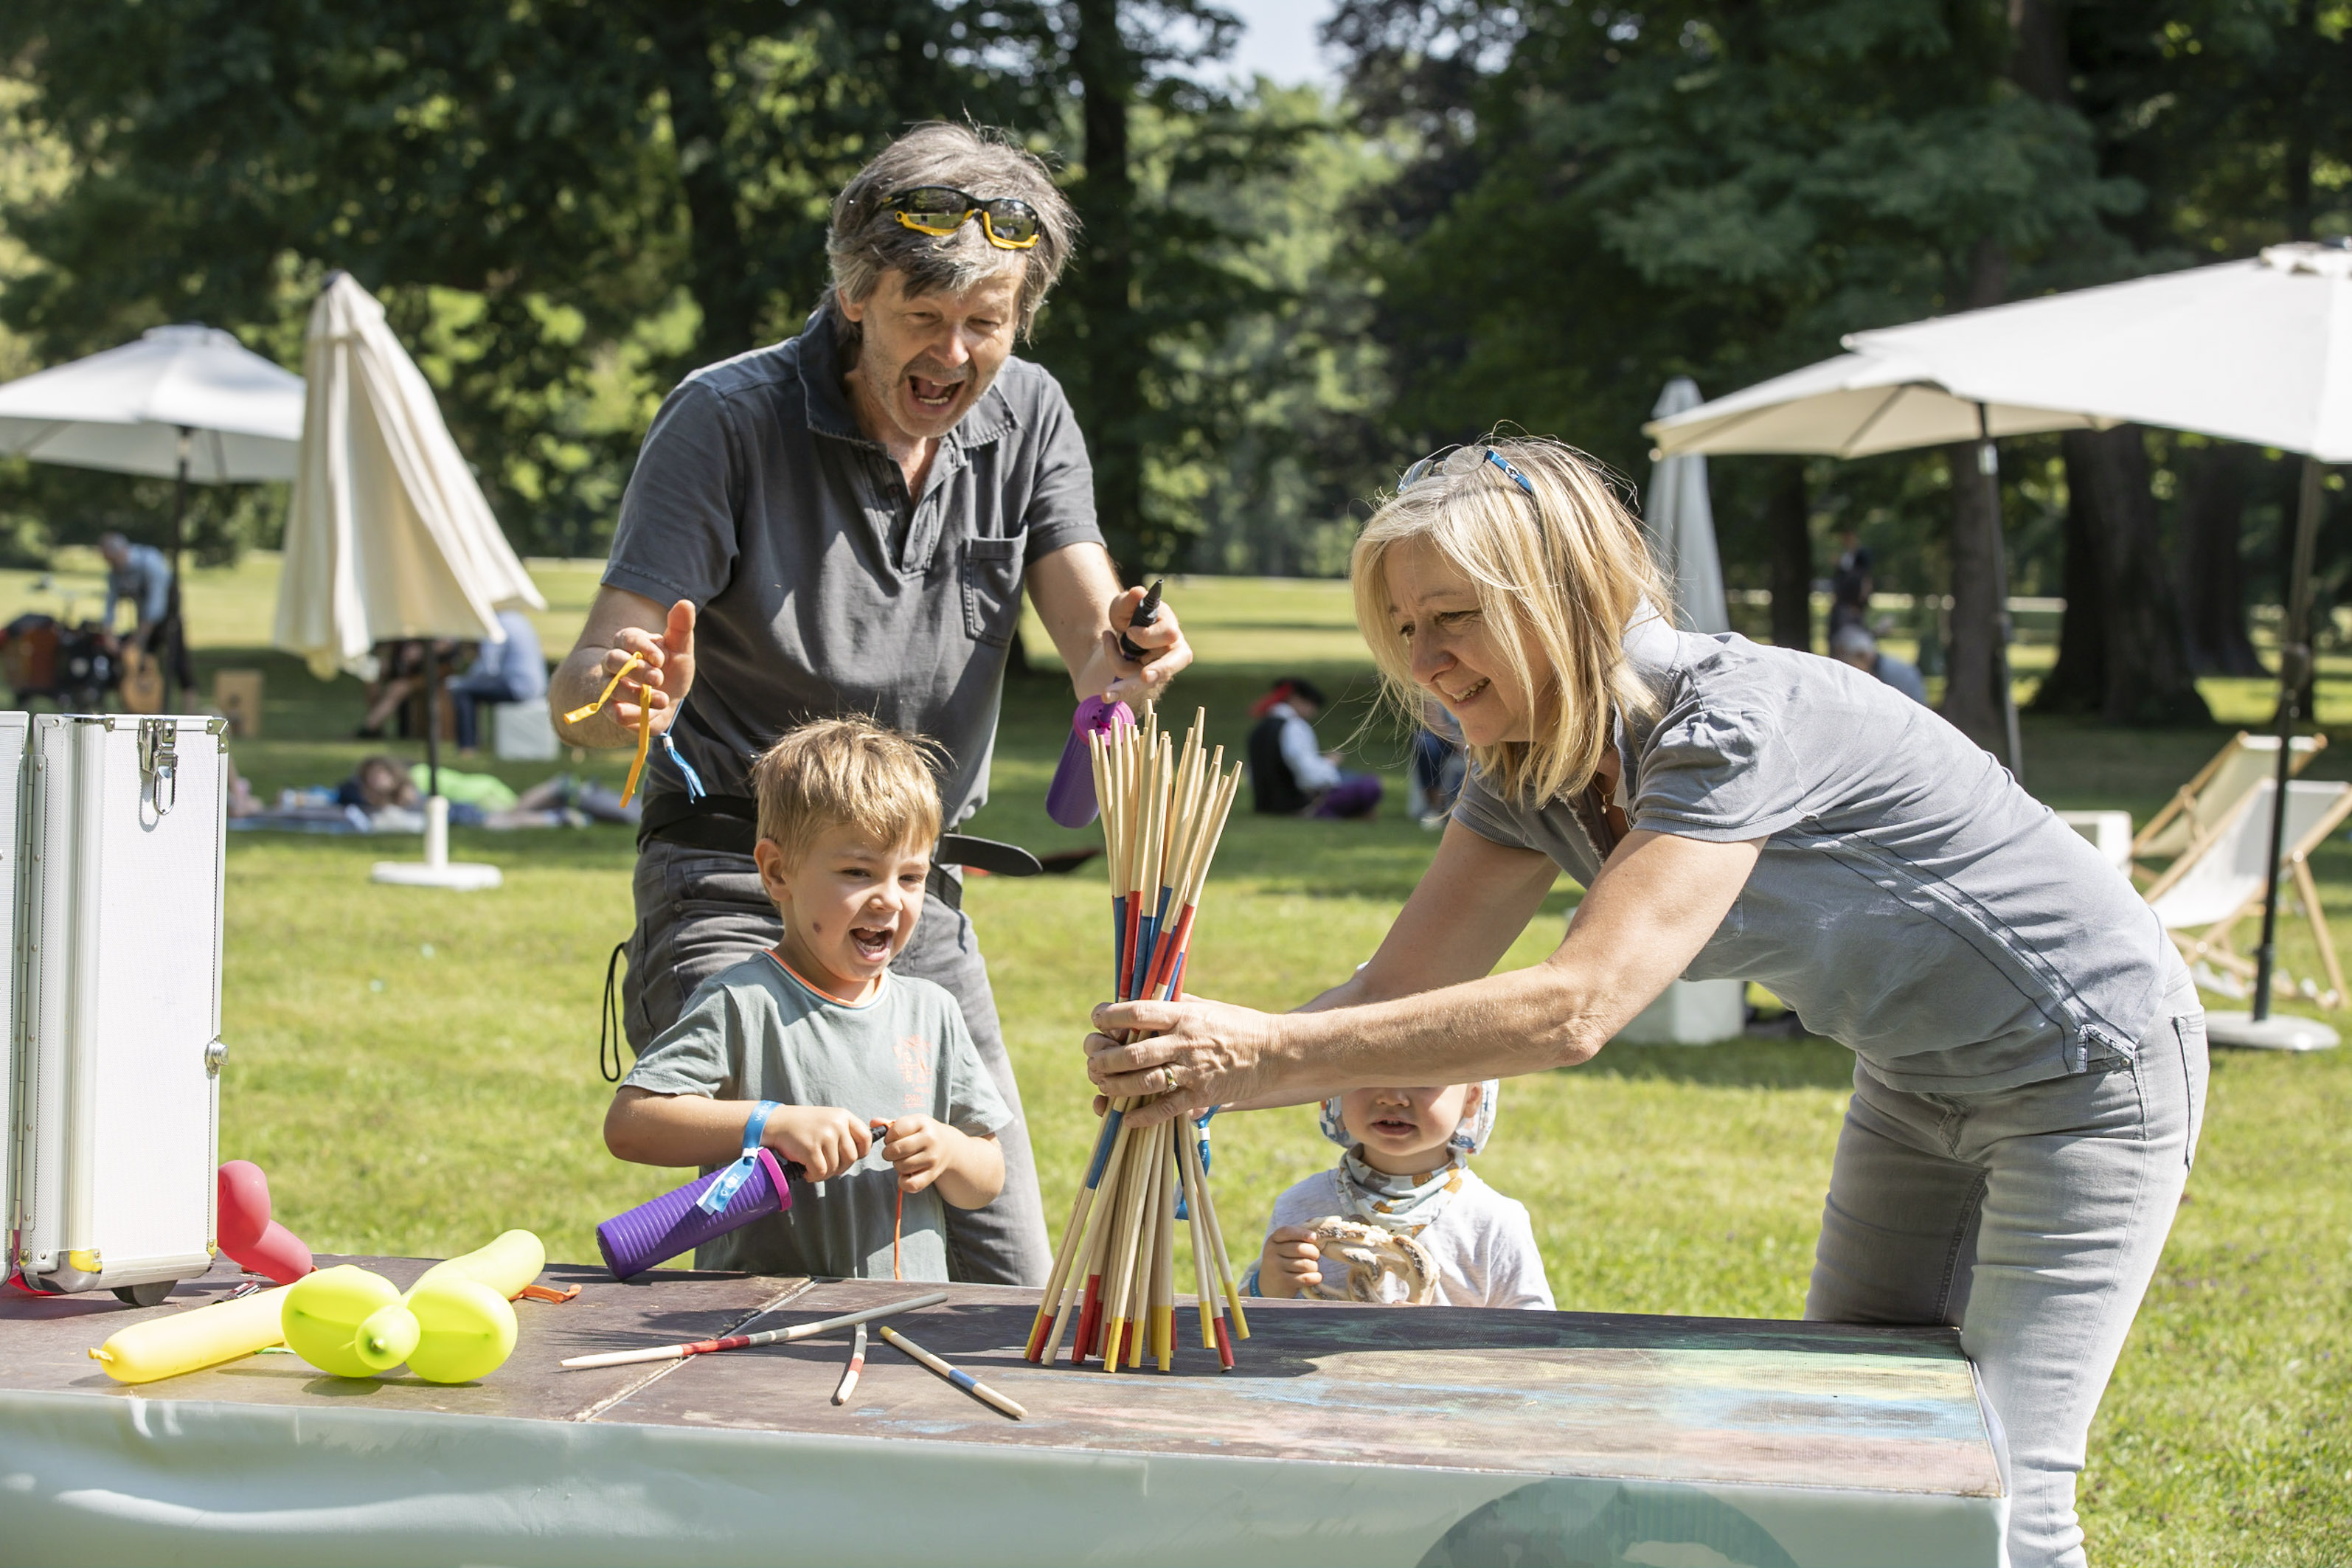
{"x": 1383, "y": 1267}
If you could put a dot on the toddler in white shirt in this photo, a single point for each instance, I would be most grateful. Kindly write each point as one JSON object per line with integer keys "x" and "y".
{"x": 1407, "y": 1171}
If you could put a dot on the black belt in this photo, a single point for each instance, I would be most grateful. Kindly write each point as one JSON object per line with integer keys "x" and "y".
{"x": 730, "y": 823}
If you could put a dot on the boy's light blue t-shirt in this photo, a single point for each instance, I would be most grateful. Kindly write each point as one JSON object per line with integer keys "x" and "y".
{"x": 757, "y": 1031}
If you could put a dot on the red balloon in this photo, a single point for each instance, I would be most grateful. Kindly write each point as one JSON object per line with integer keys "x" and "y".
{"x": 280, "y": 1253}
{"x": 253, "y": 1241}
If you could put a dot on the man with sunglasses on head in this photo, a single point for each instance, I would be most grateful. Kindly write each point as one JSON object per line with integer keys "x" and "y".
{"x": 844, "y": 524}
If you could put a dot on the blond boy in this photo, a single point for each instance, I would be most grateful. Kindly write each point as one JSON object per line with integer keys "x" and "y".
{"x": 849, "y": 814}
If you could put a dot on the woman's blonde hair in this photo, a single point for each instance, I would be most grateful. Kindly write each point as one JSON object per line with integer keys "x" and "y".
{"x": 1561, "y": 568}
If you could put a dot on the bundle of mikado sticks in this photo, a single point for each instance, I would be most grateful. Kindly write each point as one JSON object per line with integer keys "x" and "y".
{"x": 1163, "y": 810}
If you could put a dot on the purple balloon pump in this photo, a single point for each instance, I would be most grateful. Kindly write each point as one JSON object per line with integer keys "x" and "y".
{"x": 675, "y": 1222}
{"x": 684, "y": 1218}
{"x": 1070, "y": 798}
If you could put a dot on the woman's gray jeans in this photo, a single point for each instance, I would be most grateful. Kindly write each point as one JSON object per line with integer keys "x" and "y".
{"x": 699, "y": 910}
{"x": 2030, "y": 1219}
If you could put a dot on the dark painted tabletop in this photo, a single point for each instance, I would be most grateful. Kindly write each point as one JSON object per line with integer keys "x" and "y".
{"x": 1706, "y": 1400}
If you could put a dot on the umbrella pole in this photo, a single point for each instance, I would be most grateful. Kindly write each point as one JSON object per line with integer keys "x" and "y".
{"x": 2294, "y": 664}
{"x": 431, "y": 718}
{"x": 171, "y": 631}
{"x": 2004, "y": 625}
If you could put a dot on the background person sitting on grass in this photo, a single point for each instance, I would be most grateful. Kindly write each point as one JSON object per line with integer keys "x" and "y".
{"x": 1290, "y": 773}
{"x": 1407, "y": 1169}
{"x": 820, "y": 1026}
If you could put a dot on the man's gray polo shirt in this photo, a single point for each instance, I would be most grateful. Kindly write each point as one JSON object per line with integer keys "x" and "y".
{"x": 824, "y": 587}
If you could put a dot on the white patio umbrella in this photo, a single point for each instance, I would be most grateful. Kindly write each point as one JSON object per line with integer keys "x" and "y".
{"x": 1860, "y": 406}
{"x": 189, "y": 402}
{"x": 1855, "y": 406}
{"x": 1681, "y": 524}
{"x": 389, "y": 535}
{"x": 2257, "y": 351}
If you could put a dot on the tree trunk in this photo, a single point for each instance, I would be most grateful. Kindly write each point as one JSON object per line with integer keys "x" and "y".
{"x": 2077, "y": 683}
{"x": 2148, "y": 680}
{"x": 1104, "y": 282}
{"x": 1789, "y": 524}
{"x": 1972, "y": 697}
{"x": 2215, "y": 483}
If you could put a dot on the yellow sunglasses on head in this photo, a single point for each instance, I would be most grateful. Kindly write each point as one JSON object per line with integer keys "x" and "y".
{"x": 1009, "y": 223}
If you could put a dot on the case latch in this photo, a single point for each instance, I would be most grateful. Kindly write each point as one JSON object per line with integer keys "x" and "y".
{"x": 159, "y": 760}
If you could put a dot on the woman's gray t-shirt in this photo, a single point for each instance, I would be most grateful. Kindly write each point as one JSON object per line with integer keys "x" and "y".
{"x": 1911, "y": 900}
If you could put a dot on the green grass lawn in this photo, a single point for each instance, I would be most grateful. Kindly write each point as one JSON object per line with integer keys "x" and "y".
{"x": 416, "y": 1070}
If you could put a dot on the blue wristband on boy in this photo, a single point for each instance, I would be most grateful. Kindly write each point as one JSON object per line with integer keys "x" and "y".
{"x": 718, "y": 1194}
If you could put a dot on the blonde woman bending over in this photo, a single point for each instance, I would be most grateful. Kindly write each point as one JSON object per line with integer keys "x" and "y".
{"x": 2030, "y": 1064}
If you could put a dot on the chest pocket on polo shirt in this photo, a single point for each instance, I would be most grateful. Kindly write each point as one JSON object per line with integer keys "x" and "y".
{"x": 991, "y": 589}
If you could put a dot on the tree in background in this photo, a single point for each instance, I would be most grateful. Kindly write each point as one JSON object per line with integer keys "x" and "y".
{"x": 1610, "y": 196}
{"x": 567, "y": 203}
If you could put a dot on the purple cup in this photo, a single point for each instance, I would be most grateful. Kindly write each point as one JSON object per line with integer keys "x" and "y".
{"x": 1070, "y": 798}
{"x": 657, "y": 1232}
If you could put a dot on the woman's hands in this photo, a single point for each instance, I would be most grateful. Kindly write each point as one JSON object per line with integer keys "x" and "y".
{"x": 1197, "y": 1055}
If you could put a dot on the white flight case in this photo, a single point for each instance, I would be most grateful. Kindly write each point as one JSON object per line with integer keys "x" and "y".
{"x": 118, "y": 1046}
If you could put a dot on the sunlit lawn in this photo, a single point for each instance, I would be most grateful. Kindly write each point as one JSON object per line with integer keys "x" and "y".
{"x": 417, "y": 1071}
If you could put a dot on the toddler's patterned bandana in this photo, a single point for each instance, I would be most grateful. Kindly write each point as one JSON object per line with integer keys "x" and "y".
{"x": 1409, "y": 1205}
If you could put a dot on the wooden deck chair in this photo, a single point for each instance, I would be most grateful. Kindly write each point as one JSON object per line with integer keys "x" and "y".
{"x": 2203, "y": 895}
{"x": 2198, "y": 808}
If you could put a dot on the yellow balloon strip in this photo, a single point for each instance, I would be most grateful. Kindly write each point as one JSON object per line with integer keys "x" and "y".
{"x": 645, "y": 722}
{"x": 606, "y": 695}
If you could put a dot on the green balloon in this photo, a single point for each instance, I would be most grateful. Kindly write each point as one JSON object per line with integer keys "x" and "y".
{"x": 322, "y": 1314}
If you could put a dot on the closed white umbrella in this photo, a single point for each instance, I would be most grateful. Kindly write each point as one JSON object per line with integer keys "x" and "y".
{"x": 389, "y": 535}
{"x": 1681, "y": 524}
{"x": 2256, "y": 350}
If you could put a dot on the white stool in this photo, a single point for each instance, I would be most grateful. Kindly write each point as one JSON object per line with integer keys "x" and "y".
{"x": 1691, "y": 1013}
{"x": 2109, "y": 831}
{"x": 523, "y": 733}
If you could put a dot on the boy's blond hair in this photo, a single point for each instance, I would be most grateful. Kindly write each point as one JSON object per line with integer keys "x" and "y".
{"x": 850, "y": 770}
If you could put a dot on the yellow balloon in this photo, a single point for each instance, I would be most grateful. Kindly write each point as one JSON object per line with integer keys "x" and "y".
{"x": 385, "y": 1340}
{"x": 185, "y": 1342}
{"x": 469, "y": 1330}
{"x": 506, "y": 1265}
{"x": 324, "y": 1312}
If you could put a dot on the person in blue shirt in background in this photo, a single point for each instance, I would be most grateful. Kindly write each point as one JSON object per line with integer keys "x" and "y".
{"x": 1856, "y": 646}
{"x": 514, "y": 670}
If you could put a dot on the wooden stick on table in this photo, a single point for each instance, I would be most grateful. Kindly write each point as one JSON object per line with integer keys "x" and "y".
{"x": 962, "y": 1380}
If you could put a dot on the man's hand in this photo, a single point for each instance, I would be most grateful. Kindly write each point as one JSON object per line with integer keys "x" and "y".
{"x": 823, "y": 1139}
{"x": 620, "y": 624}
{"x": 1166, "y": 653}
{"x": 1077, "y": 595}
{"x": 1290, "y": 1264}
{"x": 969, "y": 1171}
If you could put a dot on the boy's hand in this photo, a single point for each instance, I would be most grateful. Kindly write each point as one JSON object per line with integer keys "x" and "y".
{"x": 923, "y": 1150}
{"x": 824, "y": 1140}
{"x": 1290, "y": 1264}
